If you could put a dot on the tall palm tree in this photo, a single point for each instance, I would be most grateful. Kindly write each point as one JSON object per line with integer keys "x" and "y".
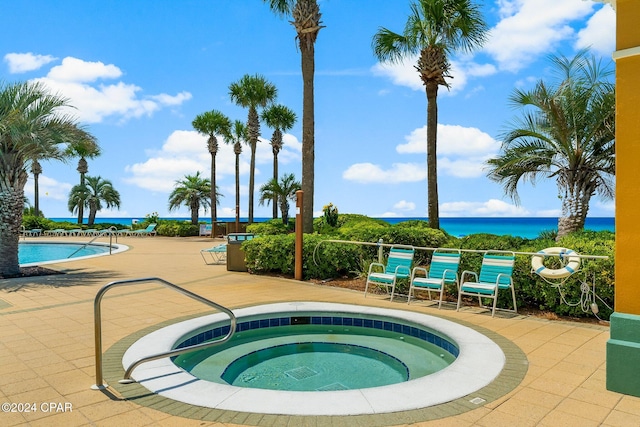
{"x": 30, "y": 127}
{"x": 96, "y": 193}
{"x": 280, "y": 118}
{"x": 434, "y": 30}
{"x": 36, "y": 170}
{"x": 252, "y": 92}
{"x": 194, "y": 192}
{"x": 280, "y": 193}
{"x": 566, "y": 132}
{"x": 82, "y": 148}
{"x": 211, "y": 123}
{"x": 237, "y": 136}
{"x": 306, "y": 20}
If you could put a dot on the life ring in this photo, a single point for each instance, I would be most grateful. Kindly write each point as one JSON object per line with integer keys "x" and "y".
{"x": 560, "y": 273}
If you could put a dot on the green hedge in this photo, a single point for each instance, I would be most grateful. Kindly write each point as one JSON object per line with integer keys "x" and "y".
{"x": 276, "y": 254}
{"x": 531, "y": 290}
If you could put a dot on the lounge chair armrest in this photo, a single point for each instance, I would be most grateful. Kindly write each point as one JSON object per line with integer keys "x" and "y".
{"x": 501, "y": 275}
{"x": 464, "y": 273}
{"x": 453, "y": 275}
{"x": 416, "y": 270}
{"x": 375, "y": 264}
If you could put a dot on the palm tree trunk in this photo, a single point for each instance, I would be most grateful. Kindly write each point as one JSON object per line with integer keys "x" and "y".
{"x": 432, "y": 165}
{"x": 92, "y": 214}
{"x": 308, "y": 134}
{"x": 237, "y": 192}
{"x": 10, "y": 221}
{"x": 81, "y": 204}
{"x": 252, "y": 180}
{"x": 275, "y": 177}
{"x": 36, "y": 195}
{"x": 214, "y": 208}
{"x": 575, "y": 206}
{"x": 194, "y": 214}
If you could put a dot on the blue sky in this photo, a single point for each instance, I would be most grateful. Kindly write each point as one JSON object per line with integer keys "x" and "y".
{"x": 139, "y": 72}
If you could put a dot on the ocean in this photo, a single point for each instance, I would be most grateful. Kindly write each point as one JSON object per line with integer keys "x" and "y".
{"x": 523, "y": 227}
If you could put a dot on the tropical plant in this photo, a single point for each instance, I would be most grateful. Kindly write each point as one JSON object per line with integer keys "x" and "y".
{"x": 282, "y": 191}
{"x": 252, "y": 92}
{"x": 566, "y": 132}
{"x": 36, "y": 170}
{"x": 306, "y": 20}
{"x": 280, "y": 118}
{"x": 95, "y": 194}
{"x": 31, "y": 126}
{"x": 237, "y": 136}
{"x": 82, "y": 148}
{"x": 194, "y": 192}
{"x": 434, "y": 30}
{"x": 211, "y": 123}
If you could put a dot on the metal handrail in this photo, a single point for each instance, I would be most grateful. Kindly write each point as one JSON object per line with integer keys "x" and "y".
{"x": 109, "y": 230}
{"x": 99, "y": 385}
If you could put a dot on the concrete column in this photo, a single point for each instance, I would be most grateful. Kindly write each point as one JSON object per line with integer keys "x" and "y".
{"x": 623, "y": 347}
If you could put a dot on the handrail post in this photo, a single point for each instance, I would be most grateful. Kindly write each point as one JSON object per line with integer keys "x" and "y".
{"x": 97, "y": 319}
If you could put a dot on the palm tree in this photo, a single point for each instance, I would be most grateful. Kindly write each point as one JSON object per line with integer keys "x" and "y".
{"x": 281, "y": 192}
{"x": 566, "y": 132}
{"x": 237, "y": 136}
{"x": 211, "y": 123}
{"x": 36, "y": 170}
{"x": 194, "y": 192}
{"x": 82, "y": 148}
{"x": 252, "y": 92}
{"x": 30, "y": 127}
{"x": 279, "y": 118}
{"x": 306, "y": 20}
{"x": 434, "y": 30}
{"x": 95, "y": 194}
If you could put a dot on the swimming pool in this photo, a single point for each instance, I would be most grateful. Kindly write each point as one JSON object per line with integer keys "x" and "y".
{"x": 479, "y": 361}
{"x": 39, "y": 253}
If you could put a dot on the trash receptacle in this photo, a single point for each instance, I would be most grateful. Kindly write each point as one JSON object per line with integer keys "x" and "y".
{"x": 235, "y": 254}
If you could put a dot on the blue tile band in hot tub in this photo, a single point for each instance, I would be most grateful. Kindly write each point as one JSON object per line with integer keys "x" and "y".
{"x": 275, "y": 322}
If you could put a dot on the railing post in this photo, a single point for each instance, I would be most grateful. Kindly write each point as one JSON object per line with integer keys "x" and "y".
{"x": 299, "y": 234}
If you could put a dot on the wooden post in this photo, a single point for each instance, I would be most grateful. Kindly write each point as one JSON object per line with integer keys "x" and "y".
{"x": 299, "y": 232}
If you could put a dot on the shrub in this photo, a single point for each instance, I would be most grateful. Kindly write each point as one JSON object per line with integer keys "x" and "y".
{"x": 276, "y": 254}
{"x": 31, "y": 221}
{"x": 171, "y": 228}
{"x": 273, "y": 226}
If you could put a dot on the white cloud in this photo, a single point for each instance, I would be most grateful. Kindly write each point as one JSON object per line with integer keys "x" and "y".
{"x": 48, "y": 188}
{"x": 462, "y": 151}
{"x": 600, "y": 32}
{"x": 76, "y": 80}
{"x": 23, "y": 62}
{"x": 76, "y": 70}
{"x": 185, "y": 152}
{"x": 490, "y": 208}
{"x": 529, "y": 28}
{"x": 403, "y": 205}
{"x": 367, "y": 173}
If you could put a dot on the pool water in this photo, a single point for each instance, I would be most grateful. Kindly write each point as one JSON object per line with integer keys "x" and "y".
{"x": 316, "y": 358}
{"x": 30, "y": 253}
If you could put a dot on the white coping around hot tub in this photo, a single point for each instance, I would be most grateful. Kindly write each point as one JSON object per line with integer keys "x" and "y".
{"x": 115, "y": 249}
{"x": 478, "y": 364}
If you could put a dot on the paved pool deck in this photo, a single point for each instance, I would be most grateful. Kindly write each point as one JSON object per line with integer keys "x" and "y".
{"x": 47, "y": 362}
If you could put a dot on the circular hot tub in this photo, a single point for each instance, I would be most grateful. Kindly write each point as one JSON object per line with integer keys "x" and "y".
{"x": 428, "y": 360}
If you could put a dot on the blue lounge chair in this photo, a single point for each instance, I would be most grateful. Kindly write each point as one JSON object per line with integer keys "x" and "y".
{"x": 149, "y": 231}
{"x": 495, "y": 275}
{"x": 443, "y": 270}
{"x": 35, "y": 232}
{"x": 217, "y": 253}
{"x": 398, "y": 267}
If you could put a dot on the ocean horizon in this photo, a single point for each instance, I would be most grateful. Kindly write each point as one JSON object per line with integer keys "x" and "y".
{"x": 526, "y": 227}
